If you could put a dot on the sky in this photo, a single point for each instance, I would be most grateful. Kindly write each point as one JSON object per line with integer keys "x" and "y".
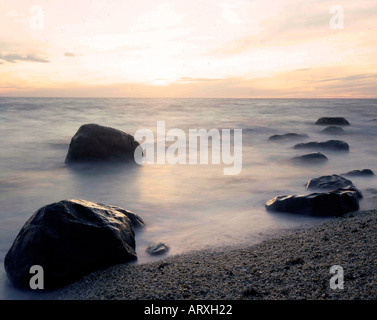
{"x": 189, "y": 48}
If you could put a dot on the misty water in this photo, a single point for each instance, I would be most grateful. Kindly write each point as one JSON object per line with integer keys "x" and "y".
{"x": 188, "y": 207}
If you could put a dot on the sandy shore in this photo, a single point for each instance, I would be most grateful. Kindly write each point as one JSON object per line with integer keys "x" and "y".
{"x": 295, "y": 266}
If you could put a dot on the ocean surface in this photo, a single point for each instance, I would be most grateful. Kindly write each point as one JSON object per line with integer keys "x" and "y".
{"x": 187, "y": 206}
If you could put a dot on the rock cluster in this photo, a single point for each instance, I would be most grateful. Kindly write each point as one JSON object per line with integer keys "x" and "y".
{"x": 334, "y": 195}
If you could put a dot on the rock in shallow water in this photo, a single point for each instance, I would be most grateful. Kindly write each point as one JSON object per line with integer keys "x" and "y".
{"x": 337, "y": 121}
{"x": 333, "y": 130}
{"x": 333, "y": 182}
{"x": 334, "y": 203}
{"x": 286, "y": 136}
{"x": 334, "y": 145}
{"x": 93, "y": 143}
{"x": 69, "y": 239}
{"x": 310, "y": 158}
{"x": 360, "y": 173}
{"x": 157, "y": 248}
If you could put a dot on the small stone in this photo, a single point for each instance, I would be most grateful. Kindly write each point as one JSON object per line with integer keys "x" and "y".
{"x": 157, "y": 248}
{"x": 295, "y": 261}
{"x": 250, "y": 292}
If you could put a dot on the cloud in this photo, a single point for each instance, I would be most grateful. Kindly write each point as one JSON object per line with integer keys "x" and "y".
{"x": 354, "y": 77}
{"x": 189, "y": 79}
{"x": 295, "y": 24}
{"x": 302, "y": 69}
{"x": 14, "y": 57}
{"x": 69, "y": 54}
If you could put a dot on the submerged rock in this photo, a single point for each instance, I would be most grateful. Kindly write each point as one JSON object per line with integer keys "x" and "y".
{"x": 360, "y": 173}
{"x": 310, "y": 158}
{"x": 157, "y": 248}
{"x": 333, "y": 203}
{"x": 69, "y": 239}
{"x": 334, "y": 145}
{"x": 337, "y": 121}
{"x": 333, "y": 130}
{"x": 93, "y": 142}
{"x": 278, "y": 137}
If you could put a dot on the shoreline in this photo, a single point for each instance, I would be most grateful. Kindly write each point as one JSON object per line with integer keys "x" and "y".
{"x": 289, "y": 267}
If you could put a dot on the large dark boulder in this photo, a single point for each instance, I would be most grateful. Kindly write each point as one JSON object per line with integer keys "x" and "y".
{"x": 359, "y": 173}
{"x": 93, "y": 142}
{"x": 334, "y": 130}
{"x": 69, "y": 239}
{"x": 332, "y": 121}
{"x": 288, "y": 136}
{"x": 334, "y": 145}
{"x": 333, "y": 203}
{"x": 310, "y": 158}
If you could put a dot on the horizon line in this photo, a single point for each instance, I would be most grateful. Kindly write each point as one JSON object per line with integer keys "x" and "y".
{"x": 239, "y": 98}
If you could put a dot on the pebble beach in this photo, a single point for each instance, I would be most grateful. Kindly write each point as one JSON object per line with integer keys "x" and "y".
{"x": 294, "y": 266}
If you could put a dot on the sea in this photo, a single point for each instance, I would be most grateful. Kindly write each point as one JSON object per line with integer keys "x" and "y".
{"x": 186, "y": 206}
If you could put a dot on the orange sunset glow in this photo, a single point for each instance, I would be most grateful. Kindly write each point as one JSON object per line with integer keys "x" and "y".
{"x": 207, "y": 48}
